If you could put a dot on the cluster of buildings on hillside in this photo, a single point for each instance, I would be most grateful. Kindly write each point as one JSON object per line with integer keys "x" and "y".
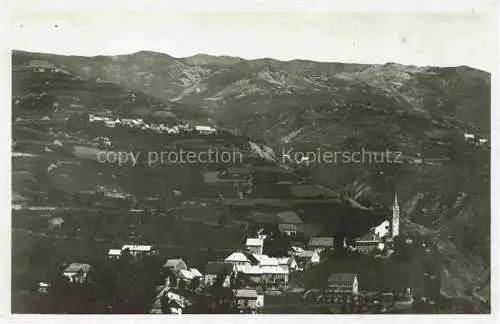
{"x": 475, "y": 139}
{"x": 139, "y": 123}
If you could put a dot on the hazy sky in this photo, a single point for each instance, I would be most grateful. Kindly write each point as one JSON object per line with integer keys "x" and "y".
{"x": 274, "y": 29}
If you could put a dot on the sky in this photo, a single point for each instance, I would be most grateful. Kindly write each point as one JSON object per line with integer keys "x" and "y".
{"x": 462, "y": 34}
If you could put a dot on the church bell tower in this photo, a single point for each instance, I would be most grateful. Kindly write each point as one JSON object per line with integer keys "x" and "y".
{"x": 395, "y": 217}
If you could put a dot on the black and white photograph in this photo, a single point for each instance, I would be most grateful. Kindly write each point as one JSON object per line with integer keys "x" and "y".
{"x": 251, "y": 157}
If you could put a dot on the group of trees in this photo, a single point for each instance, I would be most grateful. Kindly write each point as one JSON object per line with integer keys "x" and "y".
{"x": 124, "y": 286}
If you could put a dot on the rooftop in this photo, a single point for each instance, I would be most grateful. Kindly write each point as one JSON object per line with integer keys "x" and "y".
{"x": 245, "y": 293}
{"x": 289, "y": 217}
{"x": 115, "y": 252}
{"x": 170, "y": 263}
{"x": 137, "y": 248}
{"x": 196, "y": 272}
{"x": 306, "y": 254}
{"x": 186, "y": 274}
{"x": 265, "y": 260}
{"x": 342, "y": 278}
{"x": 75, "y": 267}
{"x": 241, "y": 256}
{"x": 249, "y": 269}
{"x": 288, "y": 227}
{"x": 254, "y": 242}
{"x": 286, "y": 260}
{"x": 321, "y": 242}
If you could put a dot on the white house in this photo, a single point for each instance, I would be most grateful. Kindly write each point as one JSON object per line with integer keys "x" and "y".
{"x": 268, "y": 269}
{"x": 205, "y": 130}
{"x": 114, "y": 253}
{"x": 255, "y": 245}
{"x": 306, "y": 258}
{"x": 110, "y": 123}
{"x": 469, "y": 137}
{"x": 56, "y": 222}
{"x": 77, "y": 272}
{"x": 241, "y": 258}
{"x": 43, "y": 287}
{"x": 127, "y": 121}
{"x": 175, "y": 265}
{"x": 382, "y": 229}
{"x": 136, "y": 250}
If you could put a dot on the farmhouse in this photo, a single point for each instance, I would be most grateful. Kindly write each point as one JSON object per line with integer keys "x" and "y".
{"x": 175, "y": 265}
{"x": 56, "y": 222}
{"x": 133, "y": 250}
{"x": 205, "y": 130}
{"x": 248, "y": 300}
{"x": 469, "y": 137}
{"x": 320, "y": 244}
{"x": 114, "y": 253}
{"x": 77, "y": 272}
{"x": 306, "y": 258}
{"x": 483, "y": 141}
{"x": 368, "y": 246}
{"x": 255, "y": 245}
{"x": 343, "y": 283}
{"x": 139, "y": 249}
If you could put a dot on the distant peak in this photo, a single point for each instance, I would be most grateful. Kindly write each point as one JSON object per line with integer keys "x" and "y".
{"x": 150, "y": 53}
{"x": 206, "y": 59}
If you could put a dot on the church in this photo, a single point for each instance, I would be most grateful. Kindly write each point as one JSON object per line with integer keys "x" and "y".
{"x": 382, "y": 234}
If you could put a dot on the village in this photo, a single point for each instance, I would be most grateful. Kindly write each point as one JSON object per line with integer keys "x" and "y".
{"x": 139, "y": 123}
{"x": 248, "y": 280}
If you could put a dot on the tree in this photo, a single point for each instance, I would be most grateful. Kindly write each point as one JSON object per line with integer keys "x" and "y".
{"x": 277, "y": 244}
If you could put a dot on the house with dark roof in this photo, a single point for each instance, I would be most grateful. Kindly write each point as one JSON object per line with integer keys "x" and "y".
{"x": 247, "y": 300}
{"x": 77, "y": 272}
{"x": 320, "y": 244}
{"x": 288, "y": 229}
{"x": 175, "y": 265}
{"x": 343, "y": 283}
{"x": 306, "y": 258}
{"x": 368, "y": 246}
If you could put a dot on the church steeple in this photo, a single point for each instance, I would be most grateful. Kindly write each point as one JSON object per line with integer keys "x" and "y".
{"x": 395, "y": 216}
